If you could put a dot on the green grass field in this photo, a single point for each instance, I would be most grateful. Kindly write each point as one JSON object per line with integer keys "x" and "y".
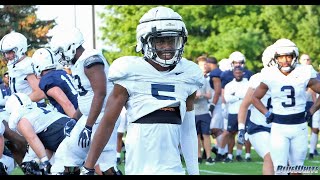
{"x": 234, "y": 168}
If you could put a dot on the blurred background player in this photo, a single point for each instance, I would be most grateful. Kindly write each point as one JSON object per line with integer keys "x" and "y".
{"x": 258, "y": 130}
{"x": 314, "y": 123}
{"x": 5, "y": 90}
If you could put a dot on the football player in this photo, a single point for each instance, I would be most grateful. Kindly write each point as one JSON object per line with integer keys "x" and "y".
{"x": 258, "y": 130}
{"x": 158, "y": 91}
{"x": 89, "y": 71}
{"x": 287, "y": 83}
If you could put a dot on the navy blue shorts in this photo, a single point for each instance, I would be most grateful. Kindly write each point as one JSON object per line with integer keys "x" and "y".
{"x": 232, "y": 123}
{"x": 53, "y": 135}
{"x": 203, "y": 124}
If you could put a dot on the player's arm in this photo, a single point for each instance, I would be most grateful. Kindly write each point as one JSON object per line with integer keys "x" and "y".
{"x": 188, "y": 138}
{"x": 217, "y": 89}
{"x": 246, "y": 102}
{"x": 25, "y": 128}
{"x": 97, "y": 78}
{"x": 258, "y": 94}
{"x": 314, "y": 84}
{"x": 77, "y": 115}
{"x": 115, "y": 103}
{"x": 37, "y": 94}
{"x": 242, "y": 115}
{"x": 57, "y": 94}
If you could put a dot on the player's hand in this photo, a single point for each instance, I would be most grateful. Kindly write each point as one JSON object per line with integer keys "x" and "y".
{"x": 241, "y": 138}
{"x": 269, "y": 117}
{"x": 211, "y": 109}
{"x": 69, "y": 126}
{"x": 308, "y": 116}
{"x": 85, "y": 137}
{"x": 86, "y": 171}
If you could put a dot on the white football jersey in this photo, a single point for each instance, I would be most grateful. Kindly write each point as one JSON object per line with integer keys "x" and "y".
{"x": 40, "y": 118}
{"x": 150, "y": 89}
{"x": 234, "y": 93}
{"x": 82, "y": 83}
{"x": 18, "y": 74}
{"x": 288, "y": 93}
{"x": 256, "y": 116}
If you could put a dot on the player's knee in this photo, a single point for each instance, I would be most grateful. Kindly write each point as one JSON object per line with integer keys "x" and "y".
{"x": 112, "y": 171}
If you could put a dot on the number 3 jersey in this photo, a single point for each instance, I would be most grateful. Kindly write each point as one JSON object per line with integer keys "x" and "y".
{"x": 81, "y": 81}
{"x": 288, "y": 93}
{"x": 150, "y": 89}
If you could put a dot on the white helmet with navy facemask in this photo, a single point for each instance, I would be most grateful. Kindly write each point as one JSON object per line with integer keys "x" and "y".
{"x": 238, "y": 57}
{"x": 268, "y": 57}
{"x": 44, "y": 59}
{"x": 65, "y": 42}
{"x": 156, "y": 25}
{"x": 15, "y": 42}
{"x": 286, "y": 47}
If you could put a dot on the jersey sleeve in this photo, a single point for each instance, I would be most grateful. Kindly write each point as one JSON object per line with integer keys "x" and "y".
{"x": 47, "y": 83}
{"x": 121, "y": 71}
{"x": 254, "y": 81}
{"x": 215, "y": 73}
{"x": 193, "y": 75}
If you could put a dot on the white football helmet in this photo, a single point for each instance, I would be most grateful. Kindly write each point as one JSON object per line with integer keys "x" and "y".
{"x": 268, "y": 57}
{"x": 237, "y": 57}
{"x": 44, "y": 59}
{"x": 17, "y": 101}
{"x": 65, "y": 41}
{"x": 16, "y": 42}
{"x": 161, "y": 22}
{"x": 225, "y": 64}
{"x": 286, "y": 47}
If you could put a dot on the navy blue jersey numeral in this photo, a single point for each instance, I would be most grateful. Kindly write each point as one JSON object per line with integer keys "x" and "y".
{"x": 291, "y": 96}
{"x": 45, "y": 111}
{"x": 155, "y": 88}
{"x": 269, "y": 105}
{"x": 82, "y": 91}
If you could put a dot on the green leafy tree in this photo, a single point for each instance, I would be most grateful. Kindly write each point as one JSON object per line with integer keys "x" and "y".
{"x": 218, "y": 30}
{"x": 23, "y": 19}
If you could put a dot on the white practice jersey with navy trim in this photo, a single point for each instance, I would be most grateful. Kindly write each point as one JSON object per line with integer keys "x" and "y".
{"x": 150, "y": 90}
{"x": 256, "y": 116}
{"x": 39, "y": 118}
{"x": 82, "y": 83}
{"x": 18, "y": 76}
{"x": 288, "y": 93}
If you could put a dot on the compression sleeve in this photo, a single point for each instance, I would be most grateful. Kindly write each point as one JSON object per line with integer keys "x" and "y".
{"x": 189, "y": 143}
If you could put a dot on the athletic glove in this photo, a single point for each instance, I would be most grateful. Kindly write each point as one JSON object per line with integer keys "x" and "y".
{"x": 69, "y": 126}
{"x": 308, "y": 116}
{"x": 211, "y": 108}
{"x": 269, "y": 117}
{"x": 45, "y": 167}
{"x": 85, "y": 137}
{"x": 86, "y": 171}
{"x": 241, "y": 136}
